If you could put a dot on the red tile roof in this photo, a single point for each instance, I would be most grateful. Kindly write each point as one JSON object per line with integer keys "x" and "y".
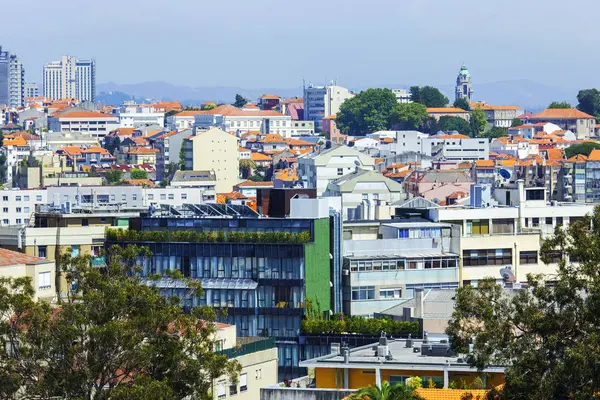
{"x": 9, "y": 257}
{"x": 561, "y": 113}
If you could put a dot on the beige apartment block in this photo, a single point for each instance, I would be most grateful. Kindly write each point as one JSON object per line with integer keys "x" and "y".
{"x": 214, "y": 150}
{"x": 41, "y": 271}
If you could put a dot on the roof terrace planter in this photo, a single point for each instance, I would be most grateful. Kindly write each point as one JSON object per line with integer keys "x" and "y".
{"x": 128, "y": 235}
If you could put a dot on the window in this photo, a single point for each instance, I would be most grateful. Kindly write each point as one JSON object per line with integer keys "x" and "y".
{"x": 18, "y": 198}
{"x": 171, "y": 196}
{"x": 232, "y": 389}
{"x": 163, "y": 196}
{"x": 221, "y": 390}
{"x": 528, "y": 257}
{"x": 554, "y": 256}
{"x": 4, "y": 198}
{"x": 340, "y": 171}
{"x": 363, "y": 293}
{"x": 548, "y": 220}
{"x": 26, "y": 198}
{"x": 19, "y": 209}
{"x": 5, "y": 221}
{"x": 85, "y": 222}
{"x": 559, "y": 221}
{"x": 5, "y": 209}
{"x": 474, "y": 258}
{"x": 183, "y": 196}
{"x": 123, "y": 197}
{"x": 243, "y": 384}
{"x": 18, "y": 220}
{"x": 44, "y": 280}
{"x": 535, "y": 222}
{"x": 390, "y": 293}
{"x": 134, "y": 197}
{"x": 102, "y": 198}
{"x": 42, "y": 251}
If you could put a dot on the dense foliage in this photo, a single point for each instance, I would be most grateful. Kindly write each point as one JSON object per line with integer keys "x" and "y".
{"x": 546, "y": 336}
{"x": 369, "y": 111}
{"x": 560, "y": 104}
{"x": 130, "y": 235}
{"x": 240, "y": 101}
{"x": 448, "y": 123}
{"x": 428, "y": 96}
{"x": 496, "y": 132}
{"x": 409, "y": 116}
{"x": 113, "y": 176}
{"x": 589, "y": 101}
{"x": 113, "y": 337}
{"x": 138, "y": 174}
{"x": 355, "y": 324}
{"x": 478, "y": 122}
{"x": 583, "y": 148}
{"x": 397, "y": 391}
{"x": 462, "y": 103}
{"x": 516, "y": 122}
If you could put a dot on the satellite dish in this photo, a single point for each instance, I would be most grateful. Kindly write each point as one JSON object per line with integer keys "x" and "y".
{"x": 504, "y": 173}
{"x": 507, "y": 275}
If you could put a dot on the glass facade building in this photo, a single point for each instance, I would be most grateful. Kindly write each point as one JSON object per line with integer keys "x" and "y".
{"x": 261, "y": 288}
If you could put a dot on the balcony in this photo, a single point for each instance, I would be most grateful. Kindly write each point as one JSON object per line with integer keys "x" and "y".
{"x": 248, "y": 345}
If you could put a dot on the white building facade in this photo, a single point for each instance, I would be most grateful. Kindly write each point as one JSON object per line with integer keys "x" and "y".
{"x": 323, "y": 101}
{"x": 133, "y": 115}
{"x": 70, "y": 78}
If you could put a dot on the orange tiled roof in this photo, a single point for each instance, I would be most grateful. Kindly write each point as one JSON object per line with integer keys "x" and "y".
{"x": 142, "y": 150}
{"x": 449, "y": 110}
{"x": 594, "y": 155}
{"x": 526, "y": 126}
{"x": 168, "y": 134}
{"x": 9, "y": 257}
{"x": 578, "y": 158}
{"x": 272, "y": 138}
{"x": 123, "y": 131}
{"x": 561, "y": 113}
{"x": 229, "y": 110}
{"x": 261, "y": 157}
{"x": 555, "y": 154}
{"x": 141, "y": 182}
{"x": 379, "y": 160}
{"x": 243, "y": 149}
{"x": 484, "y": 163}
{"x": 18, "y": 141}
{"x": 288, "y": 175}
{"x": 251, "y": 183}
{"x": 189, "y": 113}
{"x": 298, "y": 142}
{"x": 449, "y": 394}
{"x": 485, "y": 106}
{"x": 95, "y": 149}
{"x": 269, "y": 97}
{"x": 454, "y": 136}
{"x": 83, "y": 114}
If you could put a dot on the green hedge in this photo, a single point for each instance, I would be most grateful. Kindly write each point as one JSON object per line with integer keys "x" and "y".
{"x": 129, "y": 235}
{"x": 370, "y": 326}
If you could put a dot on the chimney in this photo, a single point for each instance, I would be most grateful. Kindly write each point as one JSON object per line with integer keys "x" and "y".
{"x": 419, "y": 303}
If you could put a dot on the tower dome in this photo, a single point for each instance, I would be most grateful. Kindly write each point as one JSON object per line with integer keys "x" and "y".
{"x": 464, "y": 90}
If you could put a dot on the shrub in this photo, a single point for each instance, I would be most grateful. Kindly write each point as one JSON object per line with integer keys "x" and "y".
{"x": 210, "y": 237}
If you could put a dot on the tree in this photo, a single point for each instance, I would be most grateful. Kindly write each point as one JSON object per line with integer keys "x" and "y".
{"x": 113, "y": 176}
{"x": 398, "y": 391}
{"x": 182, "y": 156}
{"x": 496, "y": 132}
{"x": 113, "y": 336}
{"x": 368, "y": 111}
{"x": 240, "y": 101}
{"x": 138, "y": 174}
{"x": 478, "y": 122}
{"x": 546, "y": 336}
{"x": 409, "y": 116}
{"x": 516, "y": 122}
{"x": 448, "y": 123}
{"x": 246, "y": 167}
{"x": 462, "y": 103}
{"x": 589, "y": 101}
{"x": 560, "y": 104}
{"x": 583, "y": 148}
{"x": 428, "y": 95}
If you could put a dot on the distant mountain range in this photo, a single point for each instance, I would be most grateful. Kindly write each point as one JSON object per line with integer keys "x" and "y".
{"x": 526, "y": 93}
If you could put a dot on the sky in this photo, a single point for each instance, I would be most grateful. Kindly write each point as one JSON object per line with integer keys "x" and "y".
{"x": 277, "y": 43}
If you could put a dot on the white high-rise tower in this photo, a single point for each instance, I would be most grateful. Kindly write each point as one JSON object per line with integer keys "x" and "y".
{"x": 70, "y": 78}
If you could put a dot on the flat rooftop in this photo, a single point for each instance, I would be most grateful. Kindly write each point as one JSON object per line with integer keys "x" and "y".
{"x": 403, "y": 357}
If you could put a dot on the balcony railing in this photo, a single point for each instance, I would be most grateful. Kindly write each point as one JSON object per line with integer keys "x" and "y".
{"x": 249, "y": 348}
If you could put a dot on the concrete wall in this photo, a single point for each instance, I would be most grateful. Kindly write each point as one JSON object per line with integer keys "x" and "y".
{"x": 303, "y": 394}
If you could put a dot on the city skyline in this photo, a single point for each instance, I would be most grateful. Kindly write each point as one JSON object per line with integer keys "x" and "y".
{"x": 493, "y": 40}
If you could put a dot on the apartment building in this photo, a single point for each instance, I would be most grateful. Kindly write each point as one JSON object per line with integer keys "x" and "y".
{"x": 456, "y": 147}
{"x": 132, "y": 115}
{"x": 316, "y": 170}
{"x": 169, "y": 147}
{"x": 41, "y": 272}
{"x": 257, "y": 357}
{"x": 12, "y": 80}
{"x": 214, "y": 150}
{"x": 31, "y": 90}
{"x": 386, "y": 260}
{"x": 323, "y": 101}
{"x": 95, "y": 124}
{"x": 500, "y": 116}
{"x": 233, "y": 119}
{"x": 18, "y": 206}
{"x": 15, "y": 150}
{"x": 70, "y": 78}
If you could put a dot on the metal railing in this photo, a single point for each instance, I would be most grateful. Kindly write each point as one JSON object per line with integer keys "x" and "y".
{"x": 249, "y": 348}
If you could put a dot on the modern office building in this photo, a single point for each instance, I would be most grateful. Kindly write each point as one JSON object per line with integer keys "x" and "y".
{"x": 12, "y": 80}
{"x": 323, "y": 101}
{"x": 261, "y": 271}
{"x": 31, "y": 90}
{"x": 70, "y": 78}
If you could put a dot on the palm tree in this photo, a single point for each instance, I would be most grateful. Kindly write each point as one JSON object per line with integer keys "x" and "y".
{"x": 398, "y": 391}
